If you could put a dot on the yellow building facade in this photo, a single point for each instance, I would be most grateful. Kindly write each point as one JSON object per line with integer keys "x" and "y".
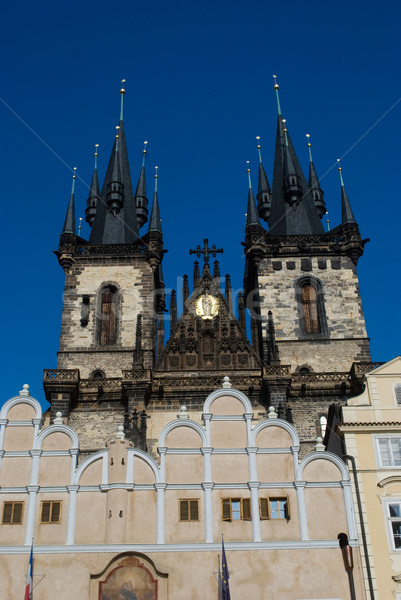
{"x": 370, "y": 426}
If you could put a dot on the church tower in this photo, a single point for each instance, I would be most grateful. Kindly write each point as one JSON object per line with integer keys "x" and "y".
{"x": 305, "y": 277}
{"x": 110, "y": 304}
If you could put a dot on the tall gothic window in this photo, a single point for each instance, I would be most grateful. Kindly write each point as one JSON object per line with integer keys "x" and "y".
{"x": 311, "y": 313}
{"x": 108, "y": 317}
{"x": 311, "y": 306}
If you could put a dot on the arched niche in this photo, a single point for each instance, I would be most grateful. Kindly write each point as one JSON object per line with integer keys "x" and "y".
{"x": 132, "y": 576}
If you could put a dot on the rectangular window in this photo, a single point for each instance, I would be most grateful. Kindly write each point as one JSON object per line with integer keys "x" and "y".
{"x": 278, "y": 508}
{"x": 12, "y": 513}
{"x": 50, "y": 512}
{"x": 394, "y": 517}
{"x": 389, "y": 451}
{"x": 189, "y": 510}
{"x": 236, "y": 509}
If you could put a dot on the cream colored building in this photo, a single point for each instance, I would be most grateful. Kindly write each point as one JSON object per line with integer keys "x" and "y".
{"x": 120, "y": 524}
{"x": 370, "y": 426}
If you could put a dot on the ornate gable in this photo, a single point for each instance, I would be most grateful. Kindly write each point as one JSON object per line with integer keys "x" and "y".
{"x": 207, "y": 336}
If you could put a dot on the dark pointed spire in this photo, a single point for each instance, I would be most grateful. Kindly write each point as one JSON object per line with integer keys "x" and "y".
{"x": 94, "y": 194}
{"x": 141, "y": 201}
{"x": 229, "y": 293}
{"x": 69, "y": 223}
{"x": 252, "y": 217}
{"x": 241, "y": 311}
{"x": 264, "y": 192}
{"x": 115, "y": 187}
{"x": 173, "y": 310}
{"x": 185, "y": 289}
{"x": 155, "y": 223}
{"x": 121, "y": 228}
{"x": 196, "y": 274}
{"x": 346, "y": 211}
{"x": 292, "y": 210}
{"x": 216, "y": 269}
{"x": 160, "y": 335}
{"x": 314, "y": 184}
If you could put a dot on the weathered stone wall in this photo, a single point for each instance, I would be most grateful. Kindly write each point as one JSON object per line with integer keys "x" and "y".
{"x": 79, "y": 346}
{"x": 345, "y": 338}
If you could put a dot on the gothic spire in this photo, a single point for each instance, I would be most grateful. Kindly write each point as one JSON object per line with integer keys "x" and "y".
{"x": 94, "y": 194}
{"x": 155, "y": 223}
{"x": 141, "y": 201}
{"x": 292, "y": 211}
{"x": 314, "y": 184}
{"x": 264, "y": 192}
{"x": 69, "y": 223}
{"x": 121, "y": 227}
{"x": 252, "y": 217}
{"x": 346, "y": 211}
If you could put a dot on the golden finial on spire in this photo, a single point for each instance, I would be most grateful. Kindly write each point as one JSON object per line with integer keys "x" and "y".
{"x": 277, "y": 96}
{"x": 309, "y": 146}
{"x": 339, "y": 170}
{"x": 80, "y": 226}
{"x": 260, "y": 154}
{"x": 249, "y": 174}
{"x": 122, "y": 92}
{"x": 328, "y": 221}
{"x": 156, "y": 178}
{"x": 144, "y": 153}
{"x": 73, "y": 180}
{"x": 284, "y": 121}
{"x": 96, "y": 147}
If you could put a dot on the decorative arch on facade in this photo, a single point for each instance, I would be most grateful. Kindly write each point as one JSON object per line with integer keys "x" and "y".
{"x": 21, "y": 400}
{"x": 146, "y": 458}
{"x": 227, "y": 392}
{"x": 274, "y": 423}
{"x": 108, "y": 309}
{"x": 187, "y": 423}
{"x": 54, "y": 429}
{"x": 324, "y": 456}
{"x": 100, "y": 455}
{"x": 309, "y": 295}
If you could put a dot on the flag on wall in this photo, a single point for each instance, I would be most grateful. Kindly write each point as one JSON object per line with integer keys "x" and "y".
{"x": 225, "y": 588}
{"x": 29, "y": 578}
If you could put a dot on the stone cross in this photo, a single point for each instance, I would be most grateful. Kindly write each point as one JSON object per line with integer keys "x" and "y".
{"x": 205, "y": 251}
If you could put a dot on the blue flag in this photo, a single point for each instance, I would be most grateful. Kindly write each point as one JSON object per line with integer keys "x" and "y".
{"x": 225, "y": 587}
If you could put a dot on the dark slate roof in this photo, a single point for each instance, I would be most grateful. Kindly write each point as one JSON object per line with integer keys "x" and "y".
{"x": 346, "y": 211}
{"x": 303, "y": 218}
{"x": 155, "y": 223}
{"x": 141, "y": 186}
{"x": 263, "y": 184}
{"x": 252, "y": 217}
{"x": 94, "y": 191}
{"x": 121, "y": 228}
{"x": 69, "y": 223}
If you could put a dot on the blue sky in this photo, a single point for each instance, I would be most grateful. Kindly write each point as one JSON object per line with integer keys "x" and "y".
{"x": 199, "y": 89}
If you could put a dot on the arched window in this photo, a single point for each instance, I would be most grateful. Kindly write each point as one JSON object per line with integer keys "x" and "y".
{"x": 311, "y": 314}
{"x": 323, "y": 425}
{"x": 108, "y": 317}
{"x": 311, "y": 306}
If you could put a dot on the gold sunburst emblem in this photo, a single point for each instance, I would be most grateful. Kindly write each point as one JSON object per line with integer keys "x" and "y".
{"x": 207, "y": 306}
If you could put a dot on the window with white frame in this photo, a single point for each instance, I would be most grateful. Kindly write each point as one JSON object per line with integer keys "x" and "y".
{"x": 397, "y": 392}
{"x": 389, "y": 451}
{"x": 394, "y": 520}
